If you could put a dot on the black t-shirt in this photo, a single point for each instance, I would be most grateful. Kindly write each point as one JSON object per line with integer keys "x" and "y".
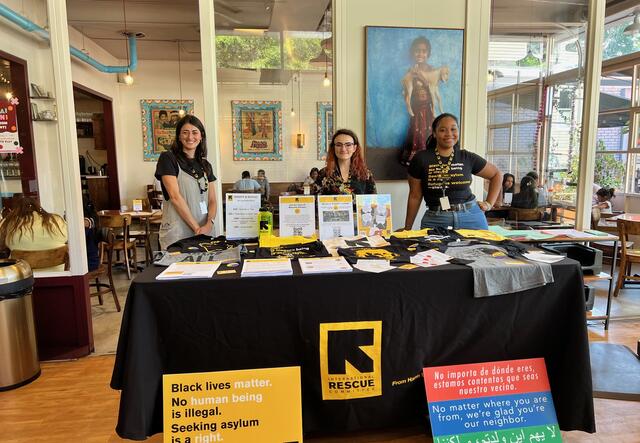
{"x": 169, "y": 164}
{"x": 425, "y": 167}
{"x": 302, "y": 250}
{"x": 202, "y": 243}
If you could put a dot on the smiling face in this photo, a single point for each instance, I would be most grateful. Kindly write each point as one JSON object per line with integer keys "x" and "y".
{"x": 344, "y": 146}
{"x": 420, "y": 53}
{"x": 190, "y": 138}
{"x": 446, "y": 133}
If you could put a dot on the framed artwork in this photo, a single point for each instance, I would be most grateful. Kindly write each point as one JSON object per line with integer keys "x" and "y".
{"x": 325, "y": 128}
{"x": 412, "y": 76}
{"x": 257, "y": 130}
{"x": 159, "y": 119}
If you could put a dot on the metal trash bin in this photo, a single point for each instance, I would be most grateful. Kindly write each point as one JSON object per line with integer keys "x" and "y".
{"x": 19, "y": 362}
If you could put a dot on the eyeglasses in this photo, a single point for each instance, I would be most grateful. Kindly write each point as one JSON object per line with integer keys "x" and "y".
{"x": 347, "y": 145}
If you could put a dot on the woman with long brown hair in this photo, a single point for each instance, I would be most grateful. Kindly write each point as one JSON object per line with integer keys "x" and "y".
{"x": 346, "y": 171}
{"x": 28, "y": 227}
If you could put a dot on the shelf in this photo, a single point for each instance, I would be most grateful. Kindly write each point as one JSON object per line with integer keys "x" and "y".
{"x": 44, "y": 119}
{"x": 35, "y": 97}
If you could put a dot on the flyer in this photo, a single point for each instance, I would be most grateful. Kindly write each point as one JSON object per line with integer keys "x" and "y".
{"x": 374, "y": 214}
{"x": 297, "y": 216}
{"x": 242, "y": 215}
{"x": 335, "y": 216}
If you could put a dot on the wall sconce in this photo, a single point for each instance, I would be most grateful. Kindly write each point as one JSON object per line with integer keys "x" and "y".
{"x": 300, "y": 140}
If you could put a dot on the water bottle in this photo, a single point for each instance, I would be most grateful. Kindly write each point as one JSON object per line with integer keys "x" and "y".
{"x": 265, "y": 223}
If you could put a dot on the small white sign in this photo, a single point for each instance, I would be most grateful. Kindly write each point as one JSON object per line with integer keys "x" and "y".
{"x": 242, "y": 215}
{"x": 335, "y": 216}
{"x": 297, "y": 216}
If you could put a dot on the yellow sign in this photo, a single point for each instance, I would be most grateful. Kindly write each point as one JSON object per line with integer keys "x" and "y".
{"x": 351, "y": 359}
{"x": 233, "y": 406}
{"x": 137, "y": 205}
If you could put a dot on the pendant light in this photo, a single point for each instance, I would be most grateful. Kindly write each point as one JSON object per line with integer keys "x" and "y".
{"x": 293, "y": 79}
{"x": 181, "y": 112}
{"x": 326, "y": 82}
{"x": 128, "y": 79}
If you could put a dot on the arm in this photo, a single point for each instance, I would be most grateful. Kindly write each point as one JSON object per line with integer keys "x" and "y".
{"x": 407, "y": 90}
{"x": 413, "y": 202}
{"x": 267, "y": 191}
{"x": 491, "y": 173}
{"x": 212, "y": 207}
{"x": 170, "y": 183}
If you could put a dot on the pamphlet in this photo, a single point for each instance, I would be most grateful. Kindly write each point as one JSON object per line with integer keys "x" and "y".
{"x": 335, "y": 215}
{"x": 242, "y": 215}
{"x": 254, "y": 267}
{"x": 543, "y": 258}
{"x": 376, "y": 266}
{"x": 430, "y": 258}
{"x": 297, "y": 215}
{"x": 323, "y": 265}
{"x": 183, "y": 270}
{"x": 374, "y": 214}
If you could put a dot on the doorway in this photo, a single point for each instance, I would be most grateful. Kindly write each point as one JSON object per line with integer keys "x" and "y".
{"x": 96, "y": 147}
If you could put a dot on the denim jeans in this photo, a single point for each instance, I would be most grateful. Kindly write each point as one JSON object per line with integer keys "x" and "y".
{"x": 472, "y": 218}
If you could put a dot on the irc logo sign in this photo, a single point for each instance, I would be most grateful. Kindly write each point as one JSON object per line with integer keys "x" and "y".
{"x": 350, "y": 359}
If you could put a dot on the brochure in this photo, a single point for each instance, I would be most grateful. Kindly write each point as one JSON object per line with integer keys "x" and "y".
{"x": 376, "y": 266}
{"x": 183, "y": 270}
{"x": 374, "y": 214}
{"x": 427, "y": 259}
{"x": 254, "y": 267}
{"x": 297, "y": 215}
{"x": 335, "y": 215}
{"x": 242, "y": 215}
{"x": 324, "y": 265}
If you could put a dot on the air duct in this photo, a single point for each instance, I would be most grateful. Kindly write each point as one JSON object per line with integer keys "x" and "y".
{"x": 30, "y": 26}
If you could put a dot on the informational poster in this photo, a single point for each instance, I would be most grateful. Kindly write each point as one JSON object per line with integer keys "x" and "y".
{"x": 335, "y": 216}
{"x": 297, "y": 216}
{"x": 233, "y": 406}
{"x": 9, "y": 142}
{"x": 373, "y": 212}
{"x": 242, "y": 215}
{"x": 503, "y": 401}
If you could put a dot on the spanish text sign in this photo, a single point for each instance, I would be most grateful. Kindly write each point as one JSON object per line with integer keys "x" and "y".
{"x": 505, "y": 401}
{"x": 233, "y": 406}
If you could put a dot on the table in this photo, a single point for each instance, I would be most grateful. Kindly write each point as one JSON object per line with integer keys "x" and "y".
{"x": 427, "y": 317}
{"x": 587, "y": 239}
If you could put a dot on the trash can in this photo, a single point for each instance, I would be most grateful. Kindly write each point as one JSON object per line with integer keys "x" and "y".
{"x": 19, "y": 362}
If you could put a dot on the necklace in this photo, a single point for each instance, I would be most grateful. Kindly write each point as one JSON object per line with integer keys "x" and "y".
{"x": 443, "y": 170}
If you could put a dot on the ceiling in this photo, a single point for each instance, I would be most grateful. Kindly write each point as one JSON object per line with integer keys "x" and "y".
{"x": 163, "y": 22}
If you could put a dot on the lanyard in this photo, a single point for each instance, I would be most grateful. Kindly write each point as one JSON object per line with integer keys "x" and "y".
{"x": 443, "y": 171}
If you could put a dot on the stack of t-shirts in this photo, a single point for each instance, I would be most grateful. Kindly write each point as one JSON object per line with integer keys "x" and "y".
{"x": 166, "y": 258}
{"x": 202, "y": 243}
{"x": 394, "y": 254}
{"x": 496, "y": 273}
{"x": 423, "y": 239}
{"x": 333, "y": 244}
{"x": 291, "y": 247}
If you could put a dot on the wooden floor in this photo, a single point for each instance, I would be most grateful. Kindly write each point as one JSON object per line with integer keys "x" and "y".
{"x": 72, "y": 402}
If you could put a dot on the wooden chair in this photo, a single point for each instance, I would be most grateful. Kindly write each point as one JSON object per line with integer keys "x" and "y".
{"x": 628, "y": 256}
{"x": 120, "y": 225}
{"x": 142, "y": 233}
{"x": 105, "y": 269}
{"x": 44, "y": 259}
{"x": 520, "y": 214}
{"x": 155, "y": 197}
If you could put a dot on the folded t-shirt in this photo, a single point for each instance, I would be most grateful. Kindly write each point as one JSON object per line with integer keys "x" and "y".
{"x": 300, "y": 250}
{"x": 202, "y": 243}
{"x": 395, "y": 254}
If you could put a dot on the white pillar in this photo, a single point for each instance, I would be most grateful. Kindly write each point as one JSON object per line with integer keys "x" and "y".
{"x": 588, "y": 142}
{"x": 67, "y": 140}
{"x": 210, "y": 94}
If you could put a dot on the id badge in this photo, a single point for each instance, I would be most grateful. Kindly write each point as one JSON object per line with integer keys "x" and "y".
{"x": 203, "y": 207}
{"x": 444, "y": 203}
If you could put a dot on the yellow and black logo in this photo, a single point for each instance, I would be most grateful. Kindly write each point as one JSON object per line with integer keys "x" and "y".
{"x": 350, "y": 359}
{"x": 376, "y": 253}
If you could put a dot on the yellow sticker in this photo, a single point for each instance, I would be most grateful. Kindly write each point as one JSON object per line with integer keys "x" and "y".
{"x": 408, "y": 266}
{"x": 226, "y": 271}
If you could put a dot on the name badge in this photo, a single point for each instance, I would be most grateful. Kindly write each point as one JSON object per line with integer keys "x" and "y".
{"x": 444, "y": 203}
{"x": 203, "y": 207}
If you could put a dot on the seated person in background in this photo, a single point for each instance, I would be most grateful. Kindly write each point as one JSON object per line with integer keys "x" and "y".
{"x": 542, "y": 192}
{"x": 311, "y": 181}
{"x": 247, "y": 184}
{"x": 263, "y": 181}
{"x": 28, "y": 227}
{"x": 90, "y": 233}
{"x": 508, "y": 182}
{"x": 527, "y": 198}
{"x": 604, "y": 196}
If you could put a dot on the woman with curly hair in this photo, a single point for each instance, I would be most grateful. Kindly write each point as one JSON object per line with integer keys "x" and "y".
{"x": 346, "y": 171}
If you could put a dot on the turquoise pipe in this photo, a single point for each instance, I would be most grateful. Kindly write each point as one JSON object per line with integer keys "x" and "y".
{"x": 30, "y": 26}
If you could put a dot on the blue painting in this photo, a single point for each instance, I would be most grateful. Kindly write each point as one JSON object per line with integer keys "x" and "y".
{"x": 413, "y": 75}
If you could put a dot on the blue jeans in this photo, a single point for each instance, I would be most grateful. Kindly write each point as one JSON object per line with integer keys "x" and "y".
{"x": 472, "y": 218}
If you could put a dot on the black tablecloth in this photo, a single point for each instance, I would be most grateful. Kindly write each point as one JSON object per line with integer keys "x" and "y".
{"x": 428, "y": 317}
